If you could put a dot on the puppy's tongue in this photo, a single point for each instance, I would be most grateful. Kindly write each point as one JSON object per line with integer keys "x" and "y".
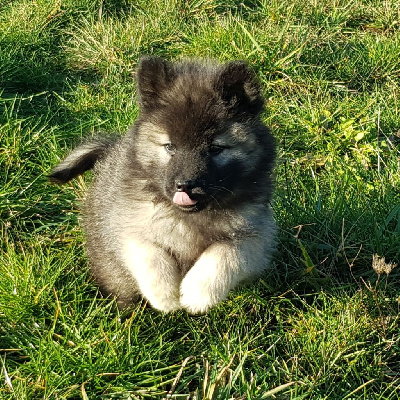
{"x": 182, "y": 199}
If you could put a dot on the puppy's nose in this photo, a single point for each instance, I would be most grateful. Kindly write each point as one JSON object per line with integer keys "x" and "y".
{"x": 184, "y": 186}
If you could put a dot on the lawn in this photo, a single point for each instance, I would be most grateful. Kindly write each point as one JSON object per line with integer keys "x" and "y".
{"x": 324, "y": 322}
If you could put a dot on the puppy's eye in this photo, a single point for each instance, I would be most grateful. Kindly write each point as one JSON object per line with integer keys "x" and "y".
{"x": 170, "y": 148}
{"x": 216, "y": 149}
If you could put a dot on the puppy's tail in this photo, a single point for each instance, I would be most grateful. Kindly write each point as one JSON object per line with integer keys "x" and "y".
{"x": 80, "y": 160}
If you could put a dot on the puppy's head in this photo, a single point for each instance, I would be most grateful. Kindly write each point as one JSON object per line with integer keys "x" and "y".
{"x": 199, "y": 136}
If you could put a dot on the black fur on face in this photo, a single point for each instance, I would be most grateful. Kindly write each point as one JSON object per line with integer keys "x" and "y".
{"x": 200, "y": 124}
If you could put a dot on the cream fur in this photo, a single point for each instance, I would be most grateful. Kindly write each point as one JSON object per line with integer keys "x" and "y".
{"x": 218, "y": 269}
{"x": 155, "y": 272}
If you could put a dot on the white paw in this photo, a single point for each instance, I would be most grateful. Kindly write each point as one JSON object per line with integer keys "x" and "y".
{"x": 155, "y": 272}
{"x": 195, "y": 298}
{"x": 166, "y": 302}
{"x": 199, "y": 291}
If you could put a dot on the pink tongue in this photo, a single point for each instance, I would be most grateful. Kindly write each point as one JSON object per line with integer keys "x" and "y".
{"x": 182, "y": 199}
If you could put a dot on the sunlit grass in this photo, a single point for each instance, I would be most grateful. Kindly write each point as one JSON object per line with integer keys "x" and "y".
{"x": 324, "y": 323}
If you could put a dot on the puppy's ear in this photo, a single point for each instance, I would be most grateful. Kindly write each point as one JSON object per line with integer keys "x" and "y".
{"x": 153, "y": 76}
{"x": 240, "y": 89}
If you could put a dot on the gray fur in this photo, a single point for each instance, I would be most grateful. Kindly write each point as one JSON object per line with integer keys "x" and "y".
{"x": 200, "y": 125}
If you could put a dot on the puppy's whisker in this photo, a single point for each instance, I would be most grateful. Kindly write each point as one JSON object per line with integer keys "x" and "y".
{"x": 222, "y": 188}
{"x": 224, "y": 179}
{"x": 219, "y": 205}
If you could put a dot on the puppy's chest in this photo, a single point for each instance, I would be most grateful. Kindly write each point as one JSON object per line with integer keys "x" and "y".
{"x": 183, "y": 241}
{"x": 185, "y": 238}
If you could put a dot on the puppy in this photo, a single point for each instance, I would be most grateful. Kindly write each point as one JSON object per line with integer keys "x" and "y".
{"x": 179, "y": 209}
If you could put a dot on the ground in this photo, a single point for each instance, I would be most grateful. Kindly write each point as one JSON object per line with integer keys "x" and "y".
{"x": 324, "y": 323}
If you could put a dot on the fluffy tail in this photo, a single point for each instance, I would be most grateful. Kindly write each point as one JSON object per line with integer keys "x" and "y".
{"x": 80, "y": 160}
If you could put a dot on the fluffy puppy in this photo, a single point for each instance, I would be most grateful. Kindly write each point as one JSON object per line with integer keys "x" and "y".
{"x": 179, "y": 209}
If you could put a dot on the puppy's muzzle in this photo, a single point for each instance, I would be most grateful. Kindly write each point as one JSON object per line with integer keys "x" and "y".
{"x": 184, "y": 186}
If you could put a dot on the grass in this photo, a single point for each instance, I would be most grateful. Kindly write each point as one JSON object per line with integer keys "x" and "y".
{"x": 324, "y": 323}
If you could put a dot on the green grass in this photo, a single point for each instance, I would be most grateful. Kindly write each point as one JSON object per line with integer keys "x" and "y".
{"x": 323, "y": 324}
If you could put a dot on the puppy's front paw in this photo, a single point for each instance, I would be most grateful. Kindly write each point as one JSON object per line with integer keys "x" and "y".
{"x": 165, "y": 302}
{"x": 198, "y": 293}
{"x": 195, "y": 298}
